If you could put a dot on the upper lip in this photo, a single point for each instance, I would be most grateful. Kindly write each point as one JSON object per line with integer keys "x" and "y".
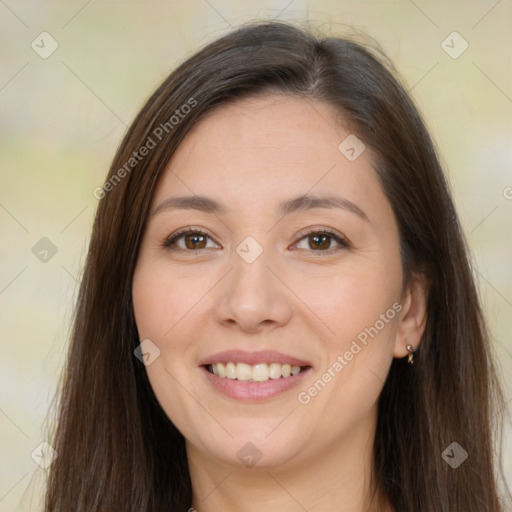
{"x": 252, "y": 358}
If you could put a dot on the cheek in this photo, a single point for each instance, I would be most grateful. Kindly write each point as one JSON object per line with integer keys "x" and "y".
{"x": 347, "y": 387}
{"x": 161, "y": 300}
{"x": 353, "y": 300}
{"x": 161, "y": 310}
{"x": 361, "y": 309}
{"x": 169, "y": 309}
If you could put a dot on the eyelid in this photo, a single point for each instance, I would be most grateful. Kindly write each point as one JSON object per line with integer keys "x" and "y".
{"x": 327, "y": 231}
{"x": 341, "y": 239}
{"x": 171, "y": 239}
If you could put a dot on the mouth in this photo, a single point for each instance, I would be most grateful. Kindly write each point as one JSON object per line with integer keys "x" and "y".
{"x": 261, "y": 372}
{"x": 253, "y": 376}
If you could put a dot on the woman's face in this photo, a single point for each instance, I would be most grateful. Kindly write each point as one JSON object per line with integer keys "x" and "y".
{"x": 270, "y": 248}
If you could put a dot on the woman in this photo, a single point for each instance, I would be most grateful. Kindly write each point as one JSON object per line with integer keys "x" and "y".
{"x": 277, "y": 310}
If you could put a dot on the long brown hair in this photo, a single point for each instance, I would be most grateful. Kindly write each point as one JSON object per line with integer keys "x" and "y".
{"x": 117, "y": 449}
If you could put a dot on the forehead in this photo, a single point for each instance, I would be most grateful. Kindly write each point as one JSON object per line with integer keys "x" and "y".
{"x": 266, "y": 148}
{"x": 274, "y": 129}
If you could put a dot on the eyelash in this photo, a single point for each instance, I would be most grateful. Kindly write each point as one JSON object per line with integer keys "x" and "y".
{"x": 343, "y": 242}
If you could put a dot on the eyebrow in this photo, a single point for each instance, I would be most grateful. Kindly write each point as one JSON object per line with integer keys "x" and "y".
{"x": 300, "y": 203}
{"x": 200, "y": 203}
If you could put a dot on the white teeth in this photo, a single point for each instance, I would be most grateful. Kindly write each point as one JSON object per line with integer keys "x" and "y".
{"x": 231, "y": 370}
{"x": 258, "y": 373}
{"x": 286, "y": 370}
{"x": 275, "y": 370}
{"x": 243, "y": 371}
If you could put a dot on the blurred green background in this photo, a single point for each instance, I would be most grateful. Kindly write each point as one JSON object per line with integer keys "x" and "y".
{"x": 62, "y": 115}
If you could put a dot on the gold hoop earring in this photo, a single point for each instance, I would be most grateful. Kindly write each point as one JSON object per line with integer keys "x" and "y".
{"x": 410, "y": 357}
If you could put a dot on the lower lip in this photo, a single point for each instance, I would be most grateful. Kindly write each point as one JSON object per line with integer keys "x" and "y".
{"x": 254, "y": 391}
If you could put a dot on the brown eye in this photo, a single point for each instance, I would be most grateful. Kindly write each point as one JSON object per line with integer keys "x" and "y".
{"x": 322, "y": 242}
{"x": 195, "y": 241}
{"x": 189, "y": 241}
{"x": 319, "y": 242}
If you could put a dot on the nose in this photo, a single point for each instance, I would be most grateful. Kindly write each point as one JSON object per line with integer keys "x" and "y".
{"x": 252, "y": 298}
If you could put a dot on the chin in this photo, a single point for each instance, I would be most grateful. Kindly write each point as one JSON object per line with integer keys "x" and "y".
{"x": 252, "y": 447}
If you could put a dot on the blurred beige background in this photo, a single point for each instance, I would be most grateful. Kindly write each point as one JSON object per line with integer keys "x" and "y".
{"x": 64, "y": 113}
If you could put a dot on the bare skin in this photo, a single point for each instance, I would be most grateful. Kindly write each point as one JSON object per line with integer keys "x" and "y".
{"x": 306, "y": 295}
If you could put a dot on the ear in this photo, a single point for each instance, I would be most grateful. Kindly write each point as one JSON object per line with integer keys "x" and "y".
{"x": 413, "y": 317}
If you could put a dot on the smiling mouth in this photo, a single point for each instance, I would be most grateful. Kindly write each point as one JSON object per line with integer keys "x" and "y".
{"x": 260, "y": 372}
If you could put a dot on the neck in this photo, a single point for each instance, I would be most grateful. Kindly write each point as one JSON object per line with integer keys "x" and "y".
{"x": 337, "y": 479}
